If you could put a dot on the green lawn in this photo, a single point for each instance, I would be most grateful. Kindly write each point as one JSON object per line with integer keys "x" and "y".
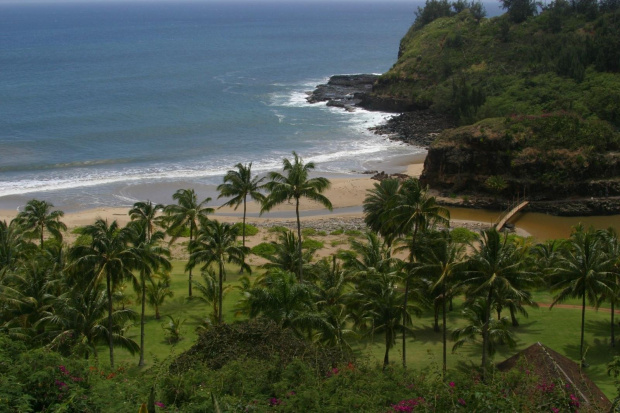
{"x": 558, "y": 329}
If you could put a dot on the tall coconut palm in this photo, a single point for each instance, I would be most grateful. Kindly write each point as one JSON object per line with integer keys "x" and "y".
{"x": 215, "y": 244}
{"x": 240, "y": 185}
{"x": 295, "y": 183}
{"x": 107, "y": 257}
{"x": 415, "y": 211}
{"x": 37, "y": 217}
{"x": 149, "y": 257}
{"x": 583, "y": 273}
{"x": 443, "y": 261}
{"x": 379, "y": 206}
{"x": 495, "y": 266}
{"x": 145, "y": 213}
{"x": 187, "y": 213}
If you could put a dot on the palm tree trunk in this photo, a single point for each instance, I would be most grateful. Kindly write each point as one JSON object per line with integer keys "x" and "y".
{"x": 583, "y": 323}
{"x": 243, "y": 231}
{"x": 301, "y": 278}
{"x": 141, "y": 362}
{"x": 405, "y": 324}
{"x": 436, "y": 311}
{"x": 110, "y": 341}
{"x": 220, "y": 292}
{"x": 613, "y": 336}
{"x": 191, "y": 235}
{"x": 485, "y": 334}
{"x": 386, "y": 357}
{"x": 443, "y": 302}
{"x": 41, "y": 236}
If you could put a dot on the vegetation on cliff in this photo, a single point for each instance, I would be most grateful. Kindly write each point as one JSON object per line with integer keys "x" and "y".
{"x": 471, "y": 68}
{"x": 546, "y": 88}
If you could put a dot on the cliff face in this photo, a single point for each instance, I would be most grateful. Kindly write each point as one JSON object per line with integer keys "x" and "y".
{"x": 534, "y": 156}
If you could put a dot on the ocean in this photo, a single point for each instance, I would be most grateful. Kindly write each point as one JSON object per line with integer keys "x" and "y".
{"x": 105, "y": 104}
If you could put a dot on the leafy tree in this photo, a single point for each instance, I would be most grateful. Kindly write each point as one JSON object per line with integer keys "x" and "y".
{"x": 108, "y": 257}
{"x": 583, "y": 273}
{"x": 240, "y": 185}
{"x": 612, "y": 245}
{"x": 433, "y": 10}
{"x": 186, "y": 214}
{"x": 216, "y": 244}
{"x": 295, "y": 183}
{"x": 520, "y": 10}
{"x": 37, "y": 217}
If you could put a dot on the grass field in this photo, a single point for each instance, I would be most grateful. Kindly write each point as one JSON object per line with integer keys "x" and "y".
{"x": 558, "y": 329}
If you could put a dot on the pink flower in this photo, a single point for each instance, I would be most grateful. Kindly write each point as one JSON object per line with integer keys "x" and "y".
{"x": 462, "y": 401}
{"x": 160, "y": 405}
{"x": 555, "y": 410}
{"x": 451, "y": 384}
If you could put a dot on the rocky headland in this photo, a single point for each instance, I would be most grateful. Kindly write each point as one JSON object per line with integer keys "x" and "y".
{"x": 557, "y": 179}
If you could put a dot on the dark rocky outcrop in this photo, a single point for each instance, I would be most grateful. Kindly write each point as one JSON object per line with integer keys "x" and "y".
{"x": 418, "y": 128}
{"x": 345, "y": 91}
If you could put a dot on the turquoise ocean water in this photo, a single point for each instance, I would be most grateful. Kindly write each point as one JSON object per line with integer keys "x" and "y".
{"x": 104, "y": 104}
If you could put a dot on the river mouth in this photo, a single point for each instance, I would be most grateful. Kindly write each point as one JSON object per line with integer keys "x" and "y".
{"x": 541, "y": 226}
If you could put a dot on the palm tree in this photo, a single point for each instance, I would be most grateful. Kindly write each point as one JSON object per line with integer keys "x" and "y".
{"x": 240, "y": 185}
{"x": 286, "y": 254}
{"x": 443, "y": 261}
{"x": 379, "y": 205}
{"x": 158, "y": 291}
{"x": 286, "y": 301}
{"x": 613, "y": 252}
{"x": 583, "y": 273}
{"x": 295, "y": 184}
{"x": 495, "y": 267}
{"x": 216, "y": 244}
{"x": 27, "y": 293}
{"x": 150, "y": 257}
{"x": 13, "y": 246}
{"x": 497, "y": 331}
{"x": 209, "y": 292}
{"x": 331, "y": 296}
{"x": 109, "y": 257}
{"x": 79, "y": 318}
{"x": 38, "y": 216}
{"x": 145, "y": 213}
{"x": 415, "y": 211}
{"x": 186, "y": 214}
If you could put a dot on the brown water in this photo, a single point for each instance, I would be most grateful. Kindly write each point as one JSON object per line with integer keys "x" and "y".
{"x": 540, "y": 226}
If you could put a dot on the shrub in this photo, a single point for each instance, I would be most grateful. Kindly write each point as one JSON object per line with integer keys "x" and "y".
{"x": 264, "y": 249}
{"x": 278, "y": 228}
{"x": 312, "y": 244}
{"x": 308, "y": 232}
{"x": 250, "y": 230}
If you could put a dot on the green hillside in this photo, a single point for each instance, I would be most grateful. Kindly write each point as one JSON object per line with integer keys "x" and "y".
{"x": 559, "y": 60}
